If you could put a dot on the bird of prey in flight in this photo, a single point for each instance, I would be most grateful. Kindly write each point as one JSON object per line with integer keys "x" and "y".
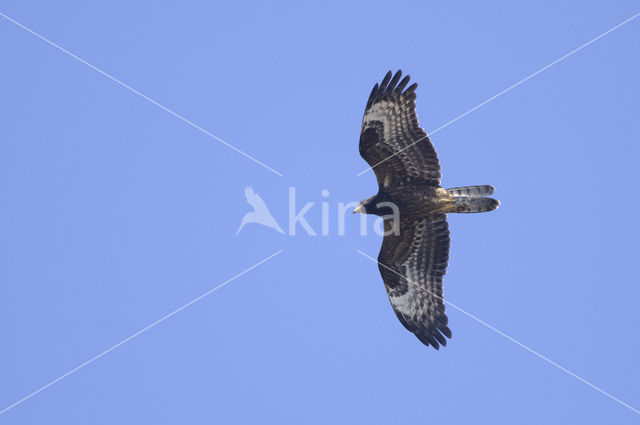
{"x": 415, "y": 249}
{"x": 260, "y": 213}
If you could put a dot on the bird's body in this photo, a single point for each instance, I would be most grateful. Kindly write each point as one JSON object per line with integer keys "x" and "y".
{"x": 415, "y": 200}
{"x": 415, "y": 250}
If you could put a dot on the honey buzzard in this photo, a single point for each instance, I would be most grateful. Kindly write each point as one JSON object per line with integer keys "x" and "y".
{"x": 415, "y": 249}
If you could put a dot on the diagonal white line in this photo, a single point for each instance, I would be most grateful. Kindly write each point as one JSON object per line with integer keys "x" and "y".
{"x": 507, "y": 336}
{"x": 505, "y": 90}
{"x": 138, "y": 333}
{"x": 175, "y": 114}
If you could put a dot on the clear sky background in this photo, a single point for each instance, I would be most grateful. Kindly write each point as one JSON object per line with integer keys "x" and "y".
{"x": 115, "y": 213}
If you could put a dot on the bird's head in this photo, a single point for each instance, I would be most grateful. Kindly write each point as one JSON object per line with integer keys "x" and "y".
{"x": 360, "y": 209}
{"x": 380, "y": 204}
{"x": 366, "y": 206}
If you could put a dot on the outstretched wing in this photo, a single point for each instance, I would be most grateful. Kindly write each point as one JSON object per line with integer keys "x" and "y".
{"x": 391, "y": 141}
{"x": 255, "y": 200}
{"x": 412, "y": 264}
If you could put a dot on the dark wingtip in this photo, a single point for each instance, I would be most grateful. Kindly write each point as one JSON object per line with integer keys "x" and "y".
{"x": 446, "y": 331}
{"x": 393, "y": 82}
{"x": 374, "y": 93}
{"x": 428, "y": 340}
{"x": 392, "y": 86}
{"x": 374, "y": 90}
{"x": 441, "y": 339}
{"x": 401, "y": 86}
{"x": 411, "y": 89}
{"x": 385, "y": 81}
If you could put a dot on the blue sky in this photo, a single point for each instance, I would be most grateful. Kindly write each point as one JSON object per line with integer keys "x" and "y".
{"x": 116, "y": 213}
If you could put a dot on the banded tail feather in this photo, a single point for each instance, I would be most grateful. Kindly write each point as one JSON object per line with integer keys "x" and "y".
{"x": 483, "y": 190}
{"x": 470, "y": 204}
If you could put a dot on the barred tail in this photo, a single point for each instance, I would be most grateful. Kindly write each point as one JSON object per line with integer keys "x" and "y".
{"x": 467, "y": 204}
{"x": 484, "y": 190}
{"x": 471, "y": 199}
